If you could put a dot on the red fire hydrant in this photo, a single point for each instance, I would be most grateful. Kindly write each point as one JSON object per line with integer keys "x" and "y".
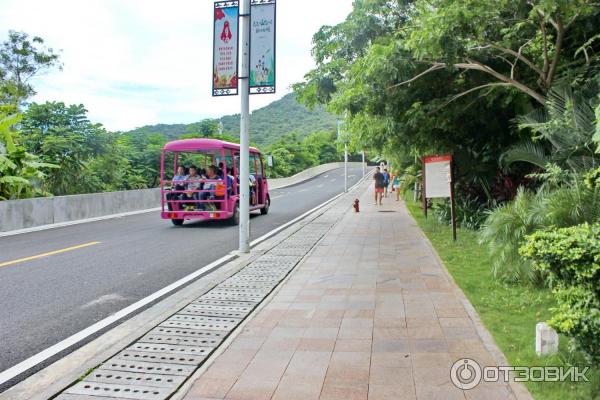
{"x": 356, "y": 206}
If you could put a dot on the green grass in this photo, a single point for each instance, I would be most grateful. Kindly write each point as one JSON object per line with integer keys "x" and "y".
{"x": 508, "y": 311}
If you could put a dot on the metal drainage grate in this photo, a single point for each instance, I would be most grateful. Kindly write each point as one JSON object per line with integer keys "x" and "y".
{"x": 176, "y": 349}
{"x": 148, "y": 367}
{"x": 135, "y": 378}
{"x": 160, "y": 361}
{"x": 179, "y": 340}
{"x": 168, "y": 358}
{"x": 122, "y": 391}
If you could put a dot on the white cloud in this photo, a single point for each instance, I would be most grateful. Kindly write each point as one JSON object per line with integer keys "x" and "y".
{"x": 139, "y": 62}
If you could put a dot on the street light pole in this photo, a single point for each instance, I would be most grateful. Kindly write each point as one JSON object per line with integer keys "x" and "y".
{"x": 244, "y": 79}
{"x": 339, "y": 136}
{"x": 345, "y": 167}
{"x": 363, "y": 163}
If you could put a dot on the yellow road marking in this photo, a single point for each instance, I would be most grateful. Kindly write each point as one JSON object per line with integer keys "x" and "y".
{"x": 50, "y": 253}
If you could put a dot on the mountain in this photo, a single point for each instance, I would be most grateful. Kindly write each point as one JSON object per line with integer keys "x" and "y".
{"x": 267, "y": 124}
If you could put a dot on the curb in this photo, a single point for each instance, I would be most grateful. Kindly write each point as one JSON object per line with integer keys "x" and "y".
{"x": 519, "y": 390}
{"x": 115, "y": 336}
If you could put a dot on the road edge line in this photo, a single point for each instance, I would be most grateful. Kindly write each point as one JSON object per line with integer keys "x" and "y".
{"x": 74, "y": 339}
{"x": 76, "y": 222}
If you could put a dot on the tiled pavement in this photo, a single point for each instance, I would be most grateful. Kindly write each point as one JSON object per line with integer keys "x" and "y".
{"x": 369, "y": 314}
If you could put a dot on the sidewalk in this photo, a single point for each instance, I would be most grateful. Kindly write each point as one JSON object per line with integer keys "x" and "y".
{"x": 370, "y": 313}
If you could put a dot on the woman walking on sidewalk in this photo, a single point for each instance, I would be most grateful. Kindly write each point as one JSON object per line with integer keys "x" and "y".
{"x": 379, "y": 185}
{"x": 396, "y": 184}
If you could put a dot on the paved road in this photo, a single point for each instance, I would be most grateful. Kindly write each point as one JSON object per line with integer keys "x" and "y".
{"x": 45, "y": 300}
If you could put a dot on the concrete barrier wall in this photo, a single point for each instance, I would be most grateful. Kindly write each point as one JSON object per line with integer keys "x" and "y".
{"x": 29, "y": 213}
{"x": 308, "y": 174}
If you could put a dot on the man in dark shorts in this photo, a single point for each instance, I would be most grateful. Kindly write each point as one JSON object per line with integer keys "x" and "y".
{"x": 379, "y": 185}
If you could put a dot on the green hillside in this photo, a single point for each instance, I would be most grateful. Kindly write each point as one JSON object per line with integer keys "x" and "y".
{"x": 267, "y": 124}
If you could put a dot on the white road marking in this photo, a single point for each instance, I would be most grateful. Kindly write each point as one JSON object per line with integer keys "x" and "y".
{"x": 107, "y": 298}
{"x": 79, "y": 221}
{"x": 51, "y": 351}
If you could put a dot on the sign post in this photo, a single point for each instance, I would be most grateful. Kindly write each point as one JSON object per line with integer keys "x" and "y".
{"x": 438, "y": 182}
{"x": 255, "y": 22}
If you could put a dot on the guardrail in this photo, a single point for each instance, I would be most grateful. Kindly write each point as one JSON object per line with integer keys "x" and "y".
{"x": 30, "y": 213}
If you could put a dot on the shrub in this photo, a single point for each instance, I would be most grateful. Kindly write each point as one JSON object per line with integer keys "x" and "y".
{"x": 410, "y": 176}
{"x": 504, "y": 231}
{"x": 470, "y": 213}
{"x": 505, "y": 228}
{"x": 571, "y": 258}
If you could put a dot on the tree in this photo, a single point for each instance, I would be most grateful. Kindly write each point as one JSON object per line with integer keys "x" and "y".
{"x": 392, "y": 109}
{"x": 21, "y": 59}
{"x": 144, "y": 152}
{"x": 21, "y": 173}
{"x": 63, "y": 135}
{"x": 533, "y": 40}
{"x": 563, "y": 134}
{"x": 205, "y": 128}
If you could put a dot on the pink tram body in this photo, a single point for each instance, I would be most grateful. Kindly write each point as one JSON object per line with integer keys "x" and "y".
{"x": 201, "y": 197}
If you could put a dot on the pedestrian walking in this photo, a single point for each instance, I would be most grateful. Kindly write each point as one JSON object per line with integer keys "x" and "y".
{"x": 379, "y": 184}
{"x": 386, "y": 182}
{"x": 396, "y": 184}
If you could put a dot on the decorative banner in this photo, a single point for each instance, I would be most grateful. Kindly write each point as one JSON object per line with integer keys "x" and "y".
{"x": 225, "y": 49}
{"x": 438, "y": 179}
{"x": 262, "y": 46}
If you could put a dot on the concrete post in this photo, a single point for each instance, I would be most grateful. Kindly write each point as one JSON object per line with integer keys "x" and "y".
{"x": 546, "y": 339}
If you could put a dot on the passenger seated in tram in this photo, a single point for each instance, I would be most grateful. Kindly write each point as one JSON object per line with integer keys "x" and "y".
{"x": 230, "y": 181}
{"x": 252, "y": 189}
{"x": 194, "y": 184}
{"x": 211, "y": 174}
{"x": 178, "y": 183}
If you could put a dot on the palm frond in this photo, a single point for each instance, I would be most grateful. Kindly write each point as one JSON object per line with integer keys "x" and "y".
{"x": 529, "y": 152}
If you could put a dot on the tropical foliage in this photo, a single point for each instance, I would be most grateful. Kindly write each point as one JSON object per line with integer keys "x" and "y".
{"x": 21, "y": 173}
{"x": 571, "y": 258}
{"x": 291, "y": 154}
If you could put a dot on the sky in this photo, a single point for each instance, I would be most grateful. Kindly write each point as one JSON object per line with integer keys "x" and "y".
{"x": 141, "y": 62}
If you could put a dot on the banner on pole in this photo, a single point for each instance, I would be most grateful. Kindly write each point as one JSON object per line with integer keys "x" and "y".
{"x": 262, "y": 46}
{"x": 225, "y": 48}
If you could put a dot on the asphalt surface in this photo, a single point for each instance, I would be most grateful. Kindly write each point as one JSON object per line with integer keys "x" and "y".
{"x": 46, "y": 300}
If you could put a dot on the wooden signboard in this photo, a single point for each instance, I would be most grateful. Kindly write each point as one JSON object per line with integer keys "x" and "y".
{"x": 438, "y": 182}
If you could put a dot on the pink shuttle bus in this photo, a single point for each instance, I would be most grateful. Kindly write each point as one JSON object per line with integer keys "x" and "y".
{"x": 199, "y": 181}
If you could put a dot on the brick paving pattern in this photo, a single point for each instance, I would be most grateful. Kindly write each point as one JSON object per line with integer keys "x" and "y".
{"x": 370, "y": 314}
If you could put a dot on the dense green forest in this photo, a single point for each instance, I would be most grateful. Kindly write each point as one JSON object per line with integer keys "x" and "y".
{"x": 268, "y": 124}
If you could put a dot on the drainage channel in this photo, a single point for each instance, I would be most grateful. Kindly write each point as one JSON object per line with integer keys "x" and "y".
{"x": 156, "y": 365}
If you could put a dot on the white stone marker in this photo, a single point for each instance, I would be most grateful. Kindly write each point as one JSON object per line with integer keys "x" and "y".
{"x": 546, "y": 339}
